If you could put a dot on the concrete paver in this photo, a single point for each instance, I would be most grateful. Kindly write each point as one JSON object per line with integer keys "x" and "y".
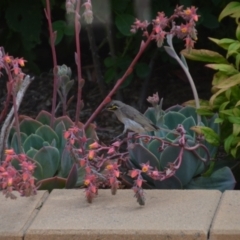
{"x": 16, "y": 215}
{"x": 226, "y": 223}
{"x": 168, "y": 214}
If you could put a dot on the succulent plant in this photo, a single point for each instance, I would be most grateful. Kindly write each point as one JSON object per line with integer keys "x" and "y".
{"x": 160, "y": 149}
{"x": 45, "y": 145}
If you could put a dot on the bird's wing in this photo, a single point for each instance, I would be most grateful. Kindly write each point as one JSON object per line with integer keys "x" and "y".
{"x": 134, "y": 114}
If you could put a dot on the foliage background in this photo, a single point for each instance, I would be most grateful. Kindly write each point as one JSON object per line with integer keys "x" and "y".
{"x": 24, "y": 30}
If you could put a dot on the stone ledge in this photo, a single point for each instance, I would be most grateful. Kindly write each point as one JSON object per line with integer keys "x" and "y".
{"x": 168, "y": 214}
{"x": 226, "y": 223}
{"x": 17, "y": 215}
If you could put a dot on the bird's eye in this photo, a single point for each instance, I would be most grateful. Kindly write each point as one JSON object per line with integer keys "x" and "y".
{"x": 113, "y": 107}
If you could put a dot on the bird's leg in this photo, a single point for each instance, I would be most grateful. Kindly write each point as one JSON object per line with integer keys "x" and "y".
{"x": 118, "y": 137}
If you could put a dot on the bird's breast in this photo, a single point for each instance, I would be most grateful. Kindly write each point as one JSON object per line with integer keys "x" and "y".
{"x": 132, "y": 125}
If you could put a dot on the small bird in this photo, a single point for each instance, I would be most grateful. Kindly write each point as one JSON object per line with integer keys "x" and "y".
{"x": 131, "y": 118}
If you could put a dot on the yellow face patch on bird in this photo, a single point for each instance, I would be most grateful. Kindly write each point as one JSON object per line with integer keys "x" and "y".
{"x": 112, "y": 107}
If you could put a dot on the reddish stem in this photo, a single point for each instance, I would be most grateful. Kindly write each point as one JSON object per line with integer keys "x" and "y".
{"x": 78, "y": 61}
{"x": 9, "y": 93}
{"x": 120, "y": 81}
{"x": 54, "y": 56}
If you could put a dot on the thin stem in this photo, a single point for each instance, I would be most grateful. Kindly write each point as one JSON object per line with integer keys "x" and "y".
{"x": 78, "y": 61}
{"x": 9, "y": 93}
{"x": 121, "y": 80}
{"x": 185, "y": 69}
{"x": 54, "y": 56}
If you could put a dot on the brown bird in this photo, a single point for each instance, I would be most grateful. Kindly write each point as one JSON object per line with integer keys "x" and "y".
{"x": 131, "y": 118}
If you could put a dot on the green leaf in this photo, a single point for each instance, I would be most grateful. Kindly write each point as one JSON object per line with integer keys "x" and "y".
{"x": 210, "y": 136}
{"x": 44, "y": 117}
{"x": 25, "y": 17}
{"x": 229, "y": 82}
{"x": 221, "y": 179}
{"x": 235, "y": 120}
{"x": 110, "y": 75}
{"x": 224, "y": 42}
{"x": 47, "y": 133}
{"x": 226, "y": 68}
{"x": 33, "y": 141}
{"x": 228, "y": 142}
{"x": 190, "y": 163}
{"x": 204, "y": 55}
{"x": 238, "y": 32}
{"x": 205, "y": 111}
{"x": 72, "y": 177}
{"x": 233, "y": 49}
{"x": 232, "y": 9}
{"x": 66, "y": 121}
{"x": 66, "y": 163}
{"x": 109, "y": 62}
{"x": 59, "y": 26}
{"x": 59, "y": 130}
{"x": 29, "y": 126}
{"x": 237, "y": 63}
{"x": 68, "y": 86}
{"x": 81, "y": 176}
{"x": 189, "y": 111}
{"x": 91, "y": 133}
{"x": 142, "y": 70}
{"x": 123, "y": 22}
{"x": 231, "y": 112}
{"x": 236, "y": 129}
{"x": 154, "y": 146}
{"x": 140, "y": 154}
{"x": 31, "y": 152}
{"x": 217, "y": 99}
{"x": 52, "y": 183}
{"x": 219, "y": 120}
{"x": 219, "y": 77}
{"x": 169, "y": 183}
{"x": 188, "y": 123}
{"x": 172, "y": 119}
{"x": 69, "y": 30}
{"x": 14, "y": 142}
{"x": 49, "y": 159}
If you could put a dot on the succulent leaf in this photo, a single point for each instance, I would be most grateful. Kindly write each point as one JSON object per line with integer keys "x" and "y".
{"x": 44, "y": 117}
{"x": 66, "y": 121}
{"x": 59, "y": 130}
{"x": 189, "y": 111}
{"x": 29, "y": 126}
{"x": 72, "y": 177}
{"x": 33, "y": 141}
{"x": 221, "y": 179}
{"x": 187, "y": 124}
{"x": 169, "y": 183}
{"x": 142, "y": 155}
{"x": 66, "y": 163}
{"x": 31, "y": 152}
{"x": 49, "y": 159}
{"x": 188, "y": 166}
{"x": 14, "y": 141}
{"x": 154, "y": 147}
{"x": 172, "y": 119}
{"x": 47, "y": 133}
{"x": 52, "y": 183}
